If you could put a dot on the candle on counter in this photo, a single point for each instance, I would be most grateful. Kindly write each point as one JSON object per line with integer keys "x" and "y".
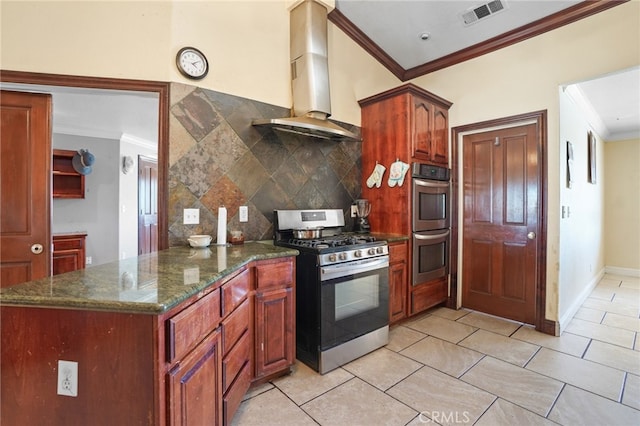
{"x": 222, "y": 226}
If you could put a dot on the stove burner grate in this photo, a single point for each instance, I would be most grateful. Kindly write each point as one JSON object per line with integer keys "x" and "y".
{"x": 335, "y": 241}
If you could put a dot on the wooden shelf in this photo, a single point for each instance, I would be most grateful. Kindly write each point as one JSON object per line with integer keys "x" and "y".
{"x": 67, "y": 183}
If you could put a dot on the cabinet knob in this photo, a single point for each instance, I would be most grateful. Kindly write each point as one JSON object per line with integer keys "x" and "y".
{"x": 37, "y": 249}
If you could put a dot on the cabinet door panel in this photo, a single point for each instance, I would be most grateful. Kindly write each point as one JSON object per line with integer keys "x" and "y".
{"x": 440, "y": 140}
{"x": 397, "y": 291}
{"x": 195, "y": 386}
{"x": 422, "y": 125}
{"x": 66, "y": 261}
{"x": 274, "y": 331}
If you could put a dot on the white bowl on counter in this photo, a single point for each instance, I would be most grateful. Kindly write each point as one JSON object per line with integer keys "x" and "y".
{"x": 199, "y": 241}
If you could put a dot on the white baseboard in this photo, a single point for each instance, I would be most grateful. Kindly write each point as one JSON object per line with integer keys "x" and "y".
{"x": 629, "y": 272}
{"x": 577, "y": 303}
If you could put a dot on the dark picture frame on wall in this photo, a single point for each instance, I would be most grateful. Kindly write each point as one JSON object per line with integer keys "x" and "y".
{"x": 591, "y": 140}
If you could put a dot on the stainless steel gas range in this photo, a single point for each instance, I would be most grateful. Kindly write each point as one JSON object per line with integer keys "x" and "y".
{"x": 342, "y": 288}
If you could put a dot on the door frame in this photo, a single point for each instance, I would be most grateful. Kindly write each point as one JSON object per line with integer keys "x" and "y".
{"x": 159, "y": 87}
{"x": 539, "y": 118}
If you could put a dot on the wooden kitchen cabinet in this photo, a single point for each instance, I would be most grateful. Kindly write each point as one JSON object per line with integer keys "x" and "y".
{"x": 194, "y": 352}
{"x": 274, "y": 315}
{"x": 429, "y": 127}
{"x": 237, "y": 341}
{"x": 410, "y": 124}
{"x": 397, "y": 281}
{"x": 67, "y": 183}
{"x": 68, "y": 252}
{"x": 195, "y": 386}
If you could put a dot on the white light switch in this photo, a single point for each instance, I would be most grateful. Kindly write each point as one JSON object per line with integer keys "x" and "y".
{"x": 244, "y": 214}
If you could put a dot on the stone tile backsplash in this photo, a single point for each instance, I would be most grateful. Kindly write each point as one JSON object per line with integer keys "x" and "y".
{"x": 216, "y": 157}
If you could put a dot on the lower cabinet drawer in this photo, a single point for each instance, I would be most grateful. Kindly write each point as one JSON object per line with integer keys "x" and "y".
{"x": 186, "y": 329}
{"x": 428, "y": 295}
{"x": 235, "y": 360}
{"x": 235, "y": 325}
{"x": 233, "y": 397}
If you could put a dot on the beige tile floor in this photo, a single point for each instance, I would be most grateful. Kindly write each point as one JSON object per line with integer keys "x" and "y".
{"x": 462, "y": 367}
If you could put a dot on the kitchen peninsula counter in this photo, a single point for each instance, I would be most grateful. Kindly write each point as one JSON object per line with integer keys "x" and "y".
{"x": 152, "y": 283}
{"x": 157, "y": 339}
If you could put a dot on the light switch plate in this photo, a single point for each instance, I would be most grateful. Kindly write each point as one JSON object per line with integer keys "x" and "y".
{"x": 244, "y": 214}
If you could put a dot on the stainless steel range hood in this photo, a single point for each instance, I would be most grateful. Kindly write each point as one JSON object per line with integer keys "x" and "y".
{"x": 310, "y": 77}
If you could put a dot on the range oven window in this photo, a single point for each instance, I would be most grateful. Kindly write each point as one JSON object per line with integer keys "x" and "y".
{"x": 353, "y": 305}
{"x": 357, "y": 297}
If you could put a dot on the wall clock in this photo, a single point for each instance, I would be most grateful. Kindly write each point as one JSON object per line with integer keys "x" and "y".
{"x": 192, "y": 63}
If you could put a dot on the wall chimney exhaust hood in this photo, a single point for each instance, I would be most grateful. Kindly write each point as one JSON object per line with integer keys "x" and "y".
{"x": 310, "y": 77}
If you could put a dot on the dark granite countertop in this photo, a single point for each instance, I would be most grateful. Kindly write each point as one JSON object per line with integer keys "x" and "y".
{"x": 147, "y": 284}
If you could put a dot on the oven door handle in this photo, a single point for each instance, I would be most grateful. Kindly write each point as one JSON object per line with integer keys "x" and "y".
{"x": 431, "y": 236}
{"x": 431, "y": 184}
{"x": 350, "y": 268}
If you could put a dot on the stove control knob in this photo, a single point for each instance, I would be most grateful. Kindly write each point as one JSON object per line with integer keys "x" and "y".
{"x": 371, "y": 251}
{"x": 379, "y": 250}
{"x": 357, "y": 253}
{"x": 332, "y": 257}
{"x": 342, "y": 256}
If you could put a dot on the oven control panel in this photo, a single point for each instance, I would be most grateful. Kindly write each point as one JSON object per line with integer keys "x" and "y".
{"x": 353, "y": 254}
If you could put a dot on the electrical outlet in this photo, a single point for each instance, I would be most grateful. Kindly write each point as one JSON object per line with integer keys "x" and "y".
{"x": 244, "y": 214}
{"x": 354, "y": 210}
{"x": 67, "y": 378}
{"x": 191, "y": 216}
{"x": 89, "y": 260}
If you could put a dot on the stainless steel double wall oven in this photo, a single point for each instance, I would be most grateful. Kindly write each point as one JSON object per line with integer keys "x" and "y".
{"x": 431, "y": 222}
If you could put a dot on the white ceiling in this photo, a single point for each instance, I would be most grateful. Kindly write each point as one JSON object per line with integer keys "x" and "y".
{"x": 396, "y": 26}
{"x": 101, "y": 113}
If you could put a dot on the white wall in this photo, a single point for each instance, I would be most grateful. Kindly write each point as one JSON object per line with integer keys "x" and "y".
{"x": 582, "y": 230}
{"x": 128, "y": 200}
{"x": 96, "y": 213}
{"x": 622, "y": 206}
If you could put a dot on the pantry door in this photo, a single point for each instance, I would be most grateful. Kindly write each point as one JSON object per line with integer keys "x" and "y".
{"x": 25, "y": 165}
{"x": 501, "y": 193}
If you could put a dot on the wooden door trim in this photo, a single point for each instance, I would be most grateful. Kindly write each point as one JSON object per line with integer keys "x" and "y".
{"x": 161, "y": 88}
{"x": 540, "y": 119}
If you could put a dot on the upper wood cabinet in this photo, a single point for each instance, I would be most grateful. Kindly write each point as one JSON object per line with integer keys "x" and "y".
{"x": 67, "y": 183}
{"x": 429, "y": 139}
{"x": 414, "y": 120}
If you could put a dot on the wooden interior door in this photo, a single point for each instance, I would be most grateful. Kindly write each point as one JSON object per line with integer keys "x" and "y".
{"x": 500, "y": 228}
{"x": 147, "y": 205}
{"x": 25, "y": 188}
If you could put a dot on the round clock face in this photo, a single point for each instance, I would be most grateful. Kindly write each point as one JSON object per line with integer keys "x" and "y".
{"x": 192, "y": 63}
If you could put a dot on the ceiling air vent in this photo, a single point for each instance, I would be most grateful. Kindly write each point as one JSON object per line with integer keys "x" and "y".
{"x": 478, "y": 13}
